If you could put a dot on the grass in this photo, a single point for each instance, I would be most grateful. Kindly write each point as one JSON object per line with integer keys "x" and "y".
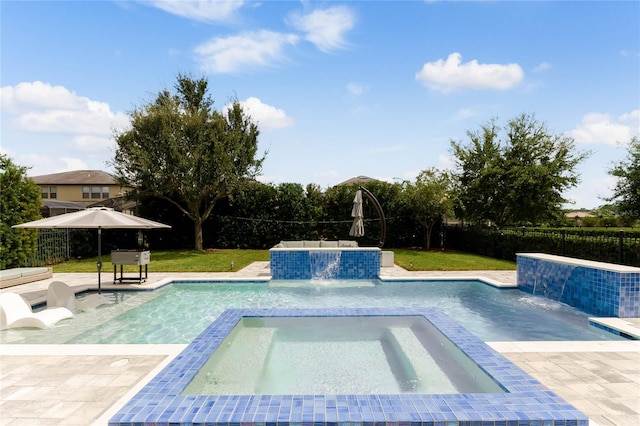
{"x": 439, "y": 260}
{"x": 221, "y": 261}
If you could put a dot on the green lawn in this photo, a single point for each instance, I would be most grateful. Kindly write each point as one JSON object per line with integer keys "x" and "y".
{"x": 438, "y": 260}
{"x": 220, "y": 261}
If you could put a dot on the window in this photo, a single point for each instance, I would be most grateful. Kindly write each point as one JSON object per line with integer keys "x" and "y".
{"x": 49, "y": 192}
{"x": 105, "y": 192}
{"x": 85, "y": 192}
{"x": 95, "y": 192}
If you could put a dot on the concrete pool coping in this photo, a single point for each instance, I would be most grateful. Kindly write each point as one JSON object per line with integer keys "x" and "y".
{"x": 602, "y": 379}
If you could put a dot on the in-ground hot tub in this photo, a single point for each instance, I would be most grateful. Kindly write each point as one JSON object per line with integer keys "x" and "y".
{"x": 338, "y": 355}
{"x": 494, "y": 390}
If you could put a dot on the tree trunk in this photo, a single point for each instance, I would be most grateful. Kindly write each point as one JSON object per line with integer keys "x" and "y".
{"x": 198, "y": 233}
{"x": 428, "y": 227}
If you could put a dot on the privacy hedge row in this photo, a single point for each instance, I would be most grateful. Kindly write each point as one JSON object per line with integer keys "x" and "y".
{"x": 260, "y": 216}
{"x": 613, "y": 246}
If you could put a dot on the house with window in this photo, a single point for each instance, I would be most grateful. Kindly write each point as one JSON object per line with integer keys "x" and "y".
{"x": 76, "y": 190}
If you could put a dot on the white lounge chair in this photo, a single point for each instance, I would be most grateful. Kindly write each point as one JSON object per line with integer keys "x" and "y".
{"x": 15, "y": 312}
{"x": 60, "y": 294}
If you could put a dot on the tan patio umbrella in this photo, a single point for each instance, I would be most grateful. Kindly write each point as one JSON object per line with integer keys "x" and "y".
{"x": 357, "y": 227}
{"x": 94, "y": 218}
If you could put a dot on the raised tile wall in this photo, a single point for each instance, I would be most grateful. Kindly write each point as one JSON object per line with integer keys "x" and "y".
{"x": 305, "y": 264}
{"x": 596, "y": 291}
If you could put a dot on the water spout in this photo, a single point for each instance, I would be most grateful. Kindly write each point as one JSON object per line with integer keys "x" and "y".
{"x": 325, "y": 265}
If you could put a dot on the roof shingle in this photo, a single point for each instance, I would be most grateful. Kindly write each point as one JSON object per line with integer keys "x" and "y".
{"x": 76, "y": 177}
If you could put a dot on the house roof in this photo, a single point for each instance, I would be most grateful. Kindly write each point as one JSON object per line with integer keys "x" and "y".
{"x": 116, "y": 203}
{"x": 579, "y": 214}
{"x": 67, "y": 205}
{"x": 357, "y": 179}
{"x": 76, "y": 177}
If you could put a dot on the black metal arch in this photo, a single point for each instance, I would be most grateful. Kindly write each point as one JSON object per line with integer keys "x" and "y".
{"x": 383, "y": 221}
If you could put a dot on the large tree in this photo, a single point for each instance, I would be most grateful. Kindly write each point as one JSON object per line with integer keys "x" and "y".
{"x": 19, "y": 203}
{"x": 430, "y": 199}
{"x": 626, "y": 194}
{"x": 516, "y": 176}
{"x": 182, "y": 150}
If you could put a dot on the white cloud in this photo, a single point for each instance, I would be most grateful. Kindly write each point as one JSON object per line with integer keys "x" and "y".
{"x": 202, "y": 10}
{"x": 629, "y": 54}
{"x": 384, "y": 149}
{"x": 44, "y": 122}
{"x": 327, "y": 175}
{"x": 355, "y": 89}
{"x": 446, "y": 162}
{"x": 464, "y": 113}
{"x": 40, "y": 96}
{"x": 274, "y": 179}
{"x": 73, "y": 164}
{"x": 38, "y": 164}
{"x": 325, "y": 28}
{"x": 599, "y": 128}
{"x": 243, "y": 52}
{"x": 39, "y": 107}
{"x": 92, "y": 143}
{"x": 447, "y": 76}
{"x": 544, "y": 66}
{"x": 406, "y": 175}
{"x": 267, "y": 116}
{"x": 590, "y": 193}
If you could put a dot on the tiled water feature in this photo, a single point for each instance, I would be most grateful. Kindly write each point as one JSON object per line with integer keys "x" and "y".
{"x": 341, "y": 263}
{"x": 597, "y": 288}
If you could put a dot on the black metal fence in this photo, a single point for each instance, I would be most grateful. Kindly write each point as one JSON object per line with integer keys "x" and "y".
{"x": 612, "y": 246}
{"x": 59, "y": 245}
{"x": 53, "y": 247}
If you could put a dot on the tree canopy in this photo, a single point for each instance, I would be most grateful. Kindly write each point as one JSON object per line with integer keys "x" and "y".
{"x": 626, "y": 194}
{"x": 182, "y": 150}
{"x": 517, "y": 176}
{"x": 430, "y": 199}
{"x": 19, "y": 203}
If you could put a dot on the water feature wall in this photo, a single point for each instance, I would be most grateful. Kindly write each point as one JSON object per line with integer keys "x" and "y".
{"x": 597, "y": 288}
{"x": 343, "y": 263}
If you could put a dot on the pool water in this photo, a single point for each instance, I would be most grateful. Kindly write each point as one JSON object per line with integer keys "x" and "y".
{"x": 178, "y": 313}
{"x": 338, "y": 355}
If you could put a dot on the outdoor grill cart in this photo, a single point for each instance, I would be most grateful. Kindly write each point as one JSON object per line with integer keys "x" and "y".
{"x": 130, "y": 257}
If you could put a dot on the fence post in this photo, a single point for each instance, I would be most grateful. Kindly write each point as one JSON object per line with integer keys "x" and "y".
{"x": 620, "y": 245}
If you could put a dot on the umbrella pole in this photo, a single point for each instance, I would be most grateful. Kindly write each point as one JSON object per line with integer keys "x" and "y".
{"x": 99, "y": 259}
{"x": 383, "y": 221}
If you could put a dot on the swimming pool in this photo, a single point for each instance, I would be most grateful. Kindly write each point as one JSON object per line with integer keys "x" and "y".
{"x": 177, "y": 313}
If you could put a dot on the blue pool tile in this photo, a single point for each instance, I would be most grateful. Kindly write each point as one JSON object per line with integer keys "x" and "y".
{"x": 300, "y": 264}
{"x": 591, "y": 289}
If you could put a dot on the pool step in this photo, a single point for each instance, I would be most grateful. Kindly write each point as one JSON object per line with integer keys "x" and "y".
{"x": 429, "y": 377}
{"x": 236, "y": 368}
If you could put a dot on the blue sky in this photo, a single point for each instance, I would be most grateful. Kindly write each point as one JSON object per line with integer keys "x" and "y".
{"x": 338, "y": 89}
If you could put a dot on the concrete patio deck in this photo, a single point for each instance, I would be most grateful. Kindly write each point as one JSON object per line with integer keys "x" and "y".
{"x": 87, "y": 384}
